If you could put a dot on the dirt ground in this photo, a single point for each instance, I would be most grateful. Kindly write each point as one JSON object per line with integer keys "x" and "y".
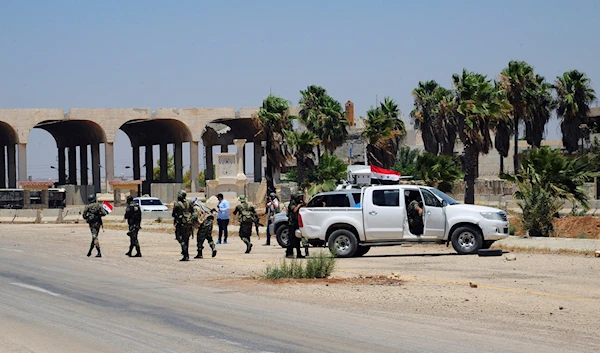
{"x": 583, "y": 227}
{"x": 547, "y": 295}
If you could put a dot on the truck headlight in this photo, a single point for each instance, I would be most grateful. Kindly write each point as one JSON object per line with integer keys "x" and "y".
{"x": 494, "y": 216}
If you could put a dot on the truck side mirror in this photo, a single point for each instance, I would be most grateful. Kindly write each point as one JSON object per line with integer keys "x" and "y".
{"x": 444, "y": 203}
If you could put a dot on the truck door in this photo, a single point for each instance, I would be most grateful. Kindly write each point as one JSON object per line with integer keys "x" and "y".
{"x": 434, "y": 216}
{"x": 383, "y": 216}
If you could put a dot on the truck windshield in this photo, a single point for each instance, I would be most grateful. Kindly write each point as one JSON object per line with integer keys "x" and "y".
{"x": 441, "y": 195}
{"x": 151, "y": 202}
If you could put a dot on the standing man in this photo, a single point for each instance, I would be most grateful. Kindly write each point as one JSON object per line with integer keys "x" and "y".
{"x": 272, "y": 210}
{"x": 205, "y": 227}
{"x": 93, "y": 213}
{"x": 222, "y": 218}
{"x": 184, "y": 216}
{"x": 133, "y": 215}
{"x": 247, "y": 216}
{"x": 294, "y": 242}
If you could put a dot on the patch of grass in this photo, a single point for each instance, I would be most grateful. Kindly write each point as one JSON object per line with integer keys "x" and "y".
{"x": 512, "y": 229}
{"x": 319, "y": 266}
{"x": 581, "y": 235}
{"x": 159, "y": 220}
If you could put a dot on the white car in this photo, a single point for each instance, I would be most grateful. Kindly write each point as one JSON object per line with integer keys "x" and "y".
{"x": 150, "y": 204}
{"x": 381, "y": 219}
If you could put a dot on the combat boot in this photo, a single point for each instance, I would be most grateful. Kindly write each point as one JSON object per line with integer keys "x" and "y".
{"x": 138, "y": 252}
{"x": 248, "y": 247}
{"x": 199, "y": 256}
{"x": 98, "y": 254}
{"x": 214, "y": 250}
{"x": 91, "y": 248}
{"x": 129, "y": 252}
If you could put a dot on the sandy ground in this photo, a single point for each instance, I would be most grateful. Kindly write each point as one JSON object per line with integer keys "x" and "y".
{"x": 546, "y": 295}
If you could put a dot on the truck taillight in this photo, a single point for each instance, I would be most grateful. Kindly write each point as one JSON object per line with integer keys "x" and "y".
{"x": 300, "y": 225}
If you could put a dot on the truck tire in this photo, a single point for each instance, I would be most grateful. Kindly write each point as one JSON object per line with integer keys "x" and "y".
{"x": 467, "y": 240}
{"x": 362, "y": 250}
{"x": 282, "y": 236}
{"x": 343, "y": 243}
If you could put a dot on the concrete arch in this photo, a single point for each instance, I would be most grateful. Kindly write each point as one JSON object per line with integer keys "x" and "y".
{"x": 8, "y": 134}
{"x": 74, "y": 132}
{"x": 8, "y": 141}
{"x": 156, "y": 131}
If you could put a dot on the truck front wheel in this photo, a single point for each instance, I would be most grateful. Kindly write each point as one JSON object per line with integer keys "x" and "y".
{"x": 467, "y": 240}
{"x": 282, "y": 236}
{"x": 343, "y": 243}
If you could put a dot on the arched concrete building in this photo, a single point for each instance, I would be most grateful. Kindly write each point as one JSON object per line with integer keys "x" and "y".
{"x": 80, "y": 133}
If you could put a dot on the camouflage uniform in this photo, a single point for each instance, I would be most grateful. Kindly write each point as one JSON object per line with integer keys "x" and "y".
{"x": 205, "y": 233}
{"x": 245, "y": 224}
{"x": 133, "y": 215}
{"x": 293, "y": 241}
{"x": 415, "y": 220}
{"x": 183, "y": 224}
{"x": 93, "y": 213}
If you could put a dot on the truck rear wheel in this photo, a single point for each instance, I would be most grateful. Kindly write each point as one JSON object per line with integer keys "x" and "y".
{"x": 343, "y": 243}
{"x": 467, "y": 240}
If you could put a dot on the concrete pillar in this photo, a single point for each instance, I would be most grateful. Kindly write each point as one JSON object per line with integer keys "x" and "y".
{"x": 62, "y": 175}
{"x": 149, "y": 163}
{"x": 26, "y": 198}
{"x": 194, "y": 167}
{"x": 224, "y": 148}
{"x": 239, "y": 155}
{"x": 12, "y": 166}
{"x": 45, "y": 198}
{"x": 210, "y": 170}
{"x": 257, "y": 161}
{"x": 83, "y": 164}
{"x": 244, "y": 159}
{"x": 164, "y": 173}
{"x": 2, "y": 167}
{"x": 136, "y": 163}
{"x": 109, "y": 154}
{"x": 178, "y": 161}
{"x": 96, "y": 167}
{"x": 23, "y": 162}
{"x": 72, "y": 153}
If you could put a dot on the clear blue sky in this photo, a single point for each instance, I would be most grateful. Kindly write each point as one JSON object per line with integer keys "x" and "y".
{"x": 229, "y": 53}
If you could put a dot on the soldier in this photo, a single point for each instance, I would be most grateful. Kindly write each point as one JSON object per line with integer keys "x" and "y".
{"x": 93, "y": 213}
{"x": 415, "y": 214}
{"x": 294, "y": 242}
{"x": 247, "y": 216}
{"x": 184, "y": 216}
{"x": 133, "y": 215}
{"x": 204, "y": 228}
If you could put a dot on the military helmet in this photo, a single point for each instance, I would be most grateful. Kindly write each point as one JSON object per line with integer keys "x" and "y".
{"x": 181, "y": 194}
{"x": 92, "y": 198}
{"x": 298, "y": 194}
{"x": 242, "y": 198}
{"x": 129, "y": 198}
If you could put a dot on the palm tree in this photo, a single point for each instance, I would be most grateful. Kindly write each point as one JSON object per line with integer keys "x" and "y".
{"x": 328, "y": 173}
{"x": 447, "y": 120}
{"x": 516, "y": 80}
{"x": 324, "y": 116}
{"x": 479, "y": 105}
{"x": 302, "y": 145}
{"x": 406, "y": 162}
{"x": 539, "y": 111}
{"x": 574, "y": 95}
{"x": 425, "y": 114}
{"x": 503, "y": 130}
{"x": 439, "y": 171}
{"x": 272, "y": 118}
{"x": 384, "y": 131}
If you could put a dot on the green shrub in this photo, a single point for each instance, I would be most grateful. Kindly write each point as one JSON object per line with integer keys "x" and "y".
{"x": 539, "y": 208}
{"x": 512, "y": 229}
{"x": 318, "y": 266}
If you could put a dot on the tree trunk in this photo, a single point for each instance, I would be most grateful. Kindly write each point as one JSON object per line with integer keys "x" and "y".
{"x": 516, "y": 156}
{"x": 269, "y": 169}
{"x": 471, "y": 160}
{"x": 301, "y": 167}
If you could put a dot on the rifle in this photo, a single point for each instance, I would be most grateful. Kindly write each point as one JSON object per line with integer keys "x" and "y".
{"x": 256, "y": 224}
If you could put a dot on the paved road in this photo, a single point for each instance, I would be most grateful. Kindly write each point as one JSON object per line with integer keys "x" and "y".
{"x": 69, "y": 305}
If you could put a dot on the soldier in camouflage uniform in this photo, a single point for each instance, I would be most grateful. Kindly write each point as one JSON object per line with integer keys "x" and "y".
{"x": 93, "y": 213}
{"x": 414, "y": 211}
{"x": 247, "y": 216}
{"x": 204, "y": 228}
{"x": 184, "y": 216}
{"x": 133, "y": 215}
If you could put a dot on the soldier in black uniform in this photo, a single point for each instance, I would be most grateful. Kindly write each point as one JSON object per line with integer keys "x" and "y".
{"x": 133, "y": 215}
{"x": 294, "y": 242}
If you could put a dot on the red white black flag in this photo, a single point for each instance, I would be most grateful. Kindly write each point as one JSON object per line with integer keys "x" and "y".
{"x": 384, "y": 174}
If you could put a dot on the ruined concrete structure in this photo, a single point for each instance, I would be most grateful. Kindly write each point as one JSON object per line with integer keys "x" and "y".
{"x": 80, "y": 132}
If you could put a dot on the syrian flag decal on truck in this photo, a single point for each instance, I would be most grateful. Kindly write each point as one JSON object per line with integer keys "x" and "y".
{"x": 384, "y": 174}
{"x": 107, "y": 206}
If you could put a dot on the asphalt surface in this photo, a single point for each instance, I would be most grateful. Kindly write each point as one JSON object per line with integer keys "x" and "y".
{"x": 50, "y": 304}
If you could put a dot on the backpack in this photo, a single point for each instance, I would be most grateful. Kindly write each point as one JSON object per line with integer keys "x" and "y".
{"x": 246, "y": 216}
{"x": 187, "y": 216}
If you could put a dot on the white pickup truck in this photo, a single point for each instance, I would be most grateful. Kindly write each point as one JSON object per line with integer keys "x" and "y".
{"x": 381, "y": 219}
